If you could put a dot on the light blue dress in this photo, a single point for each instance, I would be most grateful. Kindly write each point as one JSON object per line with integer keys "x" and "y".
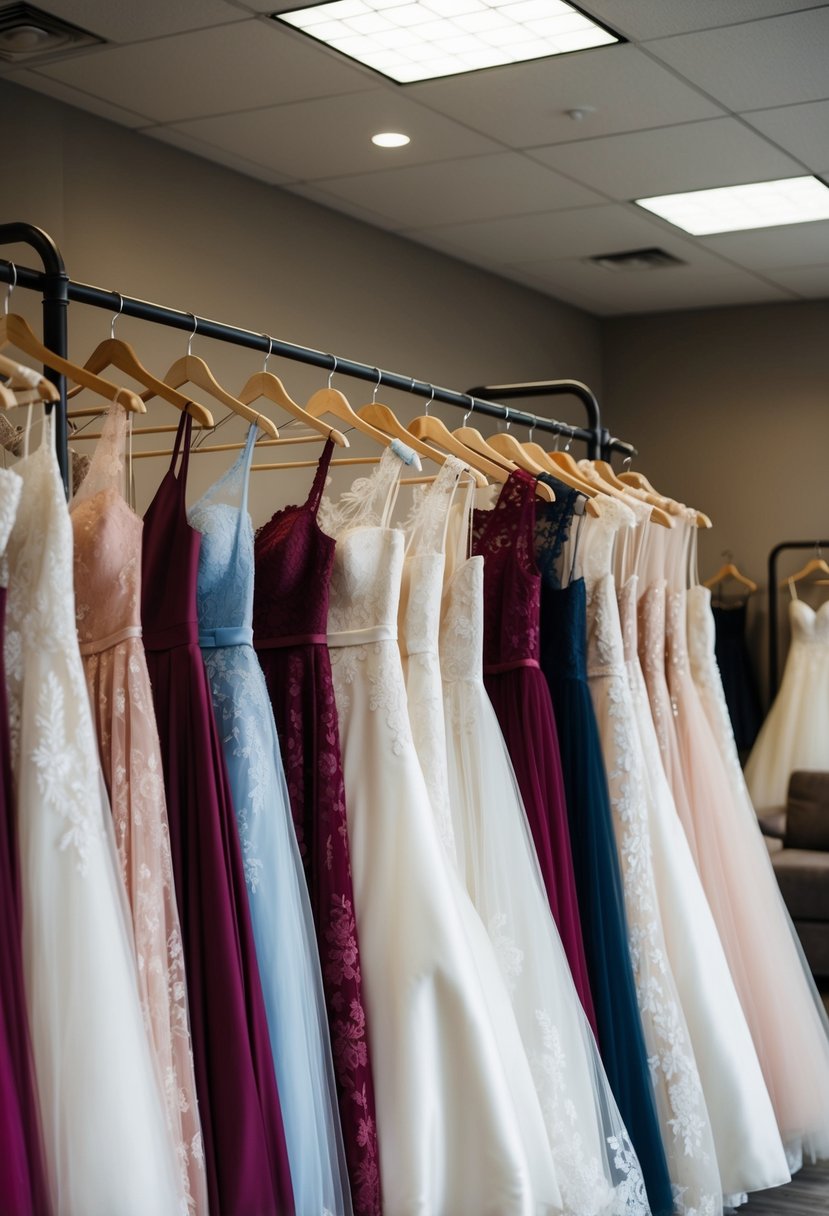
{"x": 283, "y": 927}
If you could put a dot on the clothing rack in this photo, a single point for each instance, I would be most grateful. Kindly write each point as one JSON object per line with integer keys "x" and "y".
{"x": 783, "y": 547}
{"x": 57, "y": 289}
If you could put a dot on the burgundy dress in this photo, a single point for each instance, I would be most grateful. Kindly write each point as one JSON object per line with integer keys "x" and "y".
{"x": 23, "y": 1187}
{"x": 244, "y": 1140}
{"x": 294, "y": 558}
{"x": 521, "y": 699}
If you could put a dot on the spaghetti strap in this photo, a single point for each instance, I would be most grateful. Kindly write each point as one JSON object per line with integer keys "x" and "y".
{"x": 318, "y": 484}
{"x": 185, "y": 430}
{"x": 247, "y": 459}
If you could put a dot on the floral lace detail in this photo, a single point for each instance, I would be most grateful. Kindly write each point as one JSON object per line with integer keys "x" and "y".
{"x": 365, "y": 504}
{"x": 107, "y": 572}
{"x": 512, "y": 584}
{"x": 462, "y": 624}
{"x": 11, "y": 485}
{"x": 509, "y": 954}
{"x": 387, "y": 694}
{"x": 553, "y": 522}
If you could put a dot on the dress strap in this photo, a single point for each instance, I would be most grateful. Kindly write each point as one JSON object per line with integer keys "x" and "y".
{"x": 318, "y": 484}
{"x": 244, "y": 470}
{"x": 184, "y": 432}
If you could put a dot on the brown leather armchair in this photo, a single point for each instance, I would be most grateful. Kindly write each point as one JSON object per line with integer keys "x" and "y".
{"x": 798, "y": 840}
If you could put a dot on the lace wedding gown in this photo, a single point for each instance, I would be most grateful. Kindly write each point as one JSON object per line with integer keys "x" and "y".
{"x": 460, "y": 1129}
{"x": 107, "y": 553}
{"x": 785, "y": 1011}
{"x": 749, "y": 1153}
{"x": 283, "y": 928}
{"x": 107, "y": 1147}
{"x": 596, "y": 1165}
{"x": 795, "y": 735}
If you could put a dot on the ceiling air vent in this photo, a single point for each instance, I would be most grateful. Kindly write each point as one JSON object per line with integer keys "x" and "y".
{"x": 637, "y": 259}
{"x": 27, "y": 34}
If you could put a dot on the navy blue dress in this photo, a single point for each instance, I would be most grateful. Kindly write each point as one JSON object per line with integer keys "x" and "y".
{"x": 593, "y": 843}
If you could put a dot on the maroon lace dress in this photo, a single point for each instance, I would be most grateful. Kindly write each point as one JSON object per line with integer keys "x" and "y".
{"x": 294, "y": 558}
{"x": 244, "y": 1139}
{"x": 521, "y": 698}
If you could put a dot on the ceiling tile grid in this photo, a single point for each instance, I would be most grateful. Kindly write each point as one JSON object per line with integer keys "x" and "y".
{"x": 500, "y": 171}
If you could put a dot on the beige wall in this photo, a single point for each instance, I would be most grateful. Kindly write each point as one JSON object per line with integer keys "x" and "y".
{"x": 134, "y": 214}
{"x": 730, "y": 411}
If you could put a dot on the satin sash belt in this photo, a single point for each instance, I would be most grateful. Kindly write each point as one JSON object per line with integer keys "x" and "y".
{"x": 293, "y": 639}
{"x": 186, "y": 633}
{"x": 226, "y": 635}
{"x": 360, "y": 637}
{"x": 121, "y": 635}
{"x": 492, "y": 669}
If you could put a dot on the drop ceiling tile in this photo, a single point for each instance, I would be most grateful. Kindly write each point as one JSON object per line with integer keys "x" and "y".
{"x": 77, "y": 98}
{"x": 121, "y": 22}
{"x": 583, "y": 232}
{"x": 232, "y": 67}
{"x": 790, "y": 246}
{"x": 614, "y": 292}
{"x": 694, "y": 156}
{"x": 803, "y": 130}
{"x": 478, "y": 187}
{"x": 331, "y": 136}
{"x": 809, "y": 281}
{"x": 219, "y": 156}
{"x": 768, "y": 63}
{"x": 525, "y": 105}
{"x": 642, "y": 19}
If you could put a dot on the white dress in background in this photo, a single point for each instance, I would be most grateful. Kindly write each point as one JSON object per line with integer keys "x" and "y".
{"x": 795, "y": 1048}
{"x": 107, "y": 1148}
{"x": 460, "y": 1129}
{"x": 795, "y": 735}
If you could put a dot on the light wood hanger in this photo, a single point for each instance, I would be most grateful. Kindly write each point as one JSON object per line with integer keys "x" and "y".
{"x": 815, "y": 565}
{"x": 15, "y": 331}
{"x": 21, "y": 377}
{"x": 569, "y": 465}
{"x": 640, "y": 482}
{"x": 731, "y": 571}
{"x": 266, "y": 384}
{"x": 472, "y": 438}
{"x": 331, "y": 401}
{"x": 191, "y": 369}
{"x": 536, "y": 452}
{"x": 115, "y": 352}
{"x": 384, "y": 419}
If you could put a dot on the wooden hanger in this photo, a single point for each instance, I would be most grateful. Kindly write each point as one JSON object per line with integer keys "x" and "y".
{"x": 21, "y": 377}
{"x": 815, "y": 565}
{"x": 16, "y": 331}
{"x": 114, "y": 352}
{"x": 640, "y": 482}
{"x": 266, "y": 384}
{"x": 472, "y": 438}
{"x": 536, "y": 452}
{"x": 191, "y": 369}
{"x": 331, "y": 401}
{"x": 566, "y": 462}
{"x": 731, "y": 571}
{"x": 506, "y": 445}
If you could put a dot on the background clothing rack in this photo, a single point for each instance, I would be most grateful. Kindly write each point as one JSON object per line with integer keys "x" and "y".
{"x": 772, "y": 597}
{"x": 58, "y": 289}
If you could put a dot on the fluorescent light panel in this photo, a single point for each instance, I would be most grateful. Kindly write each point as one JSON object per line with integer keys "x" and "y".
{"x": 411, "y": 40}
{"x": 790, "y": 200}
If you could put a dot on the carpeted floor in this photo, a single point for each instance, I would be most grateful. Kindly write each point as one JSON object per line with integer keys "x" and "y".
{"x": 806, "y": 1195}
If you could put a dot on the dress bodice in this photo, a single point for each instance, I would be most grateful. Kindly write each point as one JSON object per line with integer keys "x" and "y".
{"x": 107, "y": 545}
{"x": 422, "y": 584}
{"x": 368, "y": 560}
{"x": 170, "y": 557}
{"x": 503, "y": 536}
{"x": 225, "y": 579}
{"x": 730, "y": 620}
{"x": 553, "y": 521}
{"x": 809, "y": 627}
{"x": 294, "y": 561}
{"x": 605, "y": 651}
{"x": 651, "y": 627}
{"x": 627, "y": 600}
{"x": 676, "y": 635}
{"x": 563, "y": 608}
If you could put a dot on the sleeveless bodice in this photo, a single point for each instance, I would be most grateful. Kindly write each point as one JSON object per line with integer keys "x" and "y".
{"x": 627, "y": 597}
{"x": 422, "y": 584}
{"x": 676, "y": 635}
{"x": 462, "y": 623}
{"x": 651, "y": 625}
{"x": 605, "y": 651}
{"x": 564, "y": 637}
{"x": 730, "y": 620}
{"x": 107, "y": 546}
{"x": 294, "y": 561}
{"x": 512, "y": 583}
{"x": 170, "y": 559}
{"x": 809, "y": 627}
{"x": 225, "y": 577}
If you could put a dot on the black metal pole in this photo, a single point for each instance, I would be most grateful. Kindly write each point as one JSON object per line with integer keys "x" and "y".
{"x": 54, "y": 284}
{"x": 772, "y": 601}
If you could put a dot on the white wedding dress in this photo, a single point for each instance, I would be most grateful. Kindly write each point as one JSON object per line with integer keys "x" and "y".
{"x": 460, "y": 1129}
{"x": 795, "y": 735}
{"x": 595, "y": 1163}
{"x": 789, "y": 1014}
{"x": 684, "y": 1119}
{"x": 106, "y": 1142}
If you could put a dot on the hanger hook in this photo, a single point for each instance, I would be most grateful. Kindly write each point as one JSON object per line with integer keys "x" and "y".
{"x": 333, "y": 369}
{"x": 10, "y": 288}
{"x": 377, "y": 385}
{"x": 569, "y": 441}
{"x": 532, "y": 428}
{"x": 193, "y": 334}
{"x": 116, "y": 315}
{"x": 270, "y": 349}
{"x": 626, "y": 463}
{"x": 471, "y": 410}
{"x": 506, "y": 417}
{"x": 431, "y": 399}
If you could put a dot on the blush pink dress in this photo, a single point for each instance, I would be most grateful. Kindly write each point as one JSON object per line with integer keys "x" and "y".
{"x": 107, "y": 571}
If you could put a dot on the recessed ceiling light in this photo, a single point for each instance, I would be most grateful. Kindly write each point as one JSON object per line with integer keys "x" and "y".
{"x": 390, "y": 139}
{"x": 411, "y": 40}
{"x": 791, "y": 200}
